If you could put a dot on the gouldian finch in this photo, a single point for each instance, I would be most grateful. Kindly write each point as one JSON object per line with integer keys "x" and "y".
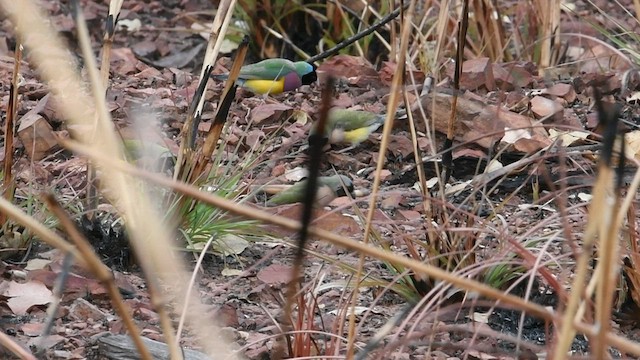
{"x": 350, "y": 126}
{"x": 329, "y": 188}
{"x": 274, "y": 76}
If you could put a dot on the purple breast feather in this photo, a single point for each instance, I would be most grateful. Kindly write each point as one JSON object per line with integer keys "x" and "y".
{"x": 292, "y": 81}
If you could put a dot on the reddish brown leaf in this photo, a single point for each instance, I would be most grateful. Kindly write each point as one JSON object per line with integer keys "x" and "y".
{"x": 265, "y": 111}
{"x": 275, "y": 274}
{"x": 354, "y": 69}
{"x": 22, "y": 296}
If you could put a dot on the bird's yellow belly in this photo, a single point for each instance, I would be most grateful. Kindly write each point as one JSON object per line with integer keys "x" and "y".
{"x": 265, "y": 86}
{"x": 357, "y": 136}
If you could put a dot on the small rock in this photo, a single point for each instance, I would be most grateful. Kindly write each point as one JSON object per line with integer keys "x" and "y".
{"x": 83, "y": 310}
{"x": 570, "y": 119}
{"x": 516, "y": 101}
{"x": 278, "y": 170}
{"x": 527, "y": 354}
{"x": 400, "y": 356}
{"x": 39, "y": 343}
{"x": 410, "y": 214}
{"x": 79, "y": 325}
{"x": 601, "y": 57}
{"x": 341, "y": 201}
{"x": 564, "y": 91}
{"x": 147, "y": 315}
{"x": 32, "y": 329}
{"x": 391, "y": 202}
{"x": 383, "y": 174}
{"x": 116, "y": 327}
{"x": 260, "y": 352}
{"x": 477, "y": 73}
{"x": 592, "y": 120}
{"x": 62, "y": 354}
{"x": 439, "y": 355}
{"x": 509, "y": 77}
{"x": 543, "y": 107}
{"x": 204, "y": 127}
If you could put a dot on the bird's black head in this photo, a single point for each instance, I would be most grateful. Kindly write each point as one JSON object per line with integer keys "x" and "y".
{"x": 348, "y": 186}
{"x": 311, "y": 77}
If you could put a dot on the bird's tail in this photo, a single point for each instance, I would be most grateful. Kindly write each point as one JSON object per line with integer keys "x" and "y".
{"x": 401, "y": 114}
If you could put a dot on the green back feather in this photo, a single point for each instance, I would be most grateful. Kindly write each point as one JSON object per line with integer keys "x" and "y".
{"x": 269, "y": 69}
{"x": 295, "y": 193}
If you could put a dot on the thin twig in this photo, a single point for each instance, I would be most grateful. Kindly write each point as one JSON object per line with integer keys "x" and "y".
{"x": 434, "y": 272}
{"x": 16, "y": 349}
{"x": 52, "y": 310}
{"x": 598, "y": 224}
{"x": 392, "y": 15}
{"x": 8, "y": 186}
{"x": 315, "y": 160}
{"x": 150, "y": 237}
{"x": 103, "y": 122}
{"x": 396, "y": 84}
{"x": 100, "y": 271}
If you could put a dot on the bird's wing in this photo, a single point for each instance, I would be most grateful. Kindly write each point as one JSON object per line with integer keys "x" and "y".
{"x": 288, "y": 196}
{"x": 271, "y": 69}
{"x": 351, "y": 120}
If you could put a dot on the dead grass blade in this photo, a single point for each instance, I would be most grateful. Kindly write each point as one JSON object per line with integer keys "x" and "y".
{"x": 150, "y": 239}
{"x": 16, "y": 349}
{"x": 608, "y": 267}
{"x": 447, "y": 156}
{"x": 392, "y": 106}
{"x": 491, "y": 33}
{"x": 187, "y": 153}
{"x": 190, "y": 127}
{"x": 104, "y": 122}
{"x": 54, "y": 305}
{"x": 384, "y": 331}
{"x": 343, "y": 44}
{"x": 631, "y": 260}
{"x": 193, "y": 162}
{"x": 112, "y": 19}
{"x": 105, "y": 66}
{"x": 39, "y": 230}
{"x": 9, "y": 188}
{"x": 426, "y": 202}
{"x": 101, "y": 272}
{"x": 601, "y": 214}
{"x": 549, "y": 11}
{"x": 461, "y": 282}
{"x": 314, "y": 163}
{"x": 442, "y": 31}
{"x": 228, "y": 95}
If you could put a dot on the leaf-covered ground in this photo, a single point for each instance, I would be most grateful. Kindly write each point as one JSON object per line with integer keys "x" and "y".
{"x": 154, "y": 74}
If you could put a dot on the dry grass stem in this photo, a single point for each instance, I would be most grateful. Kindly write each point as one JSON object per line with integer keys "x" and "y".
{"x": 101, "y": 272}
{"x": 128, "y": 194}
{"x": 14, "y": 348}
{"x": 149, "y": 237}
{"x": 8, "y": 187}
{"x": 374, "y": 252}
{"x": 396, "y": 96}
{"x": 39, "y": 230}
